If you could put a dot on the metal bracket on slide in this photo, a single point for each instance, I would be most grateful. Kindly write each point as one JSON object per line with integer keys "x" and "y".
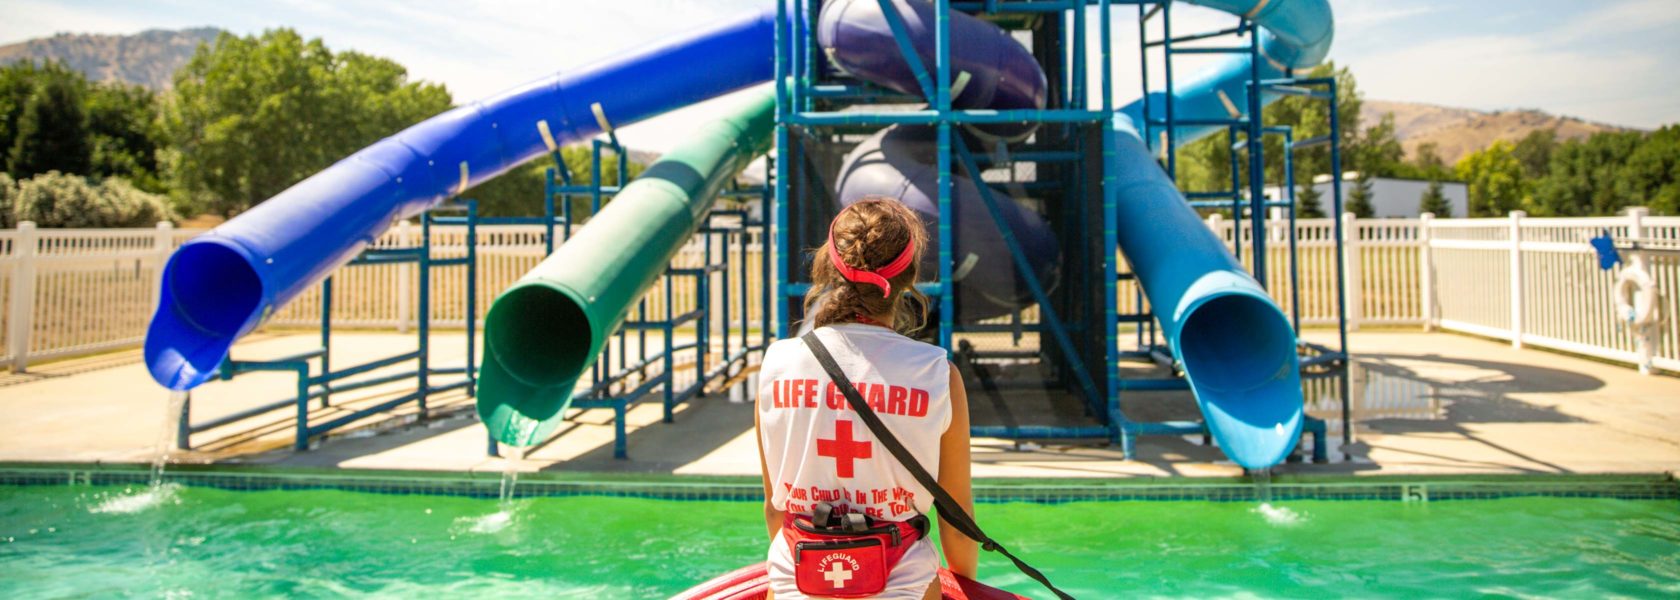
{"x": 601, "y": 119}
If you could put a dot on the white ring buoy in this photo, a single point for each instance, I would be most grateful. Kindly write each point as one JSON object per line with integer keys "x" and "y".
{"x": 1636, "y": 297}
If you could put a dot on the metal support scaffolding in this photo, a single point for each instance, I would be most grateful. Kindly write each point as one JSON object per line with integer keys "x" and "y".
{"x": 1070, "y": 330}
{"x": 328, "y": 379}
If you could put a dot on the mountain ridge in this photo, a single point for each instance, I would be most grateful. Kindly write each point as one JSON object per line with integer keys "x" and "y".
{"x": 1457, "y": 131}
{"x": 148, "y": 58}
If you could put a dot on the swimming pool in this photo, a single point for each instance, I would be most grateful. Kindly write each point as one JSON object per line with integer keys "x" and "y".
{"x": 101, "y": 533}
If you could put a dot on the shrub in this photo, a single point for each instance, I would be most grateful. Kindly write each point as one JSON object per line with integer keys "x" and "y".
{"x": 54, "y": 199}
{"x": 8, "y": 198}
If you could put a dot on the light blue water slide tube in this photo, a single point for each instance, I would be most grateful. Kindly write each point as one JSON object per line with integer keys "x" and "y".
{"x": 1236, "y": 347}
{"x": 221, "y": 285}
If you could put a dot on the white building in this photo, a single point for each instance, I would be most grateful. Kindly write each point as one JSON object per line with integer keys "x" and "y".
{"x": 1396, "y": 198}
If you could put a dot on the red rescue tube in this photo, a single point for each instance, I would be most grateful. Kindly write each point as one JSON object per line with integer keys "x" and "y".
{"x": 753, "y": 581}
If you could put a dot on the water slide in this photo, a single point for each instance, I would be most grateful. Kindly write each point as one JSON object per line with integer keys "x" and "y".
{"x": 1235, "y": 346}
{"x": 546, "y": 330}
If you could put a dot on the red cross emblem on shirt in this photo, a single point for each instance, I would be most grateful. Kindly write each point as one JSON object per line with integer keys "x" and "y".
{"x": 843, "y": 449}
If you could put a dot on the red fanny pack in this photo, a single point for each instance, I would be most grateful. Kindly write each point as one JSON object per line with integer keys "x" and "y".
{"x": 850, "y": 555}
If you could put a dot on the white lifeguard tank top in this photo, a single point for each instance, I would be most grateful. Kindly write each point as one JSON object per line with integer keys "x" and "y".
{"x": 817, "y": 450}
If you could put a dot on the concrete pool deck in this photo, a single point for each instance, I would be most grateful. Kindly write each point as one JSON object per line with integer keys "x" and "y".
{"x": 1431, "y": 404}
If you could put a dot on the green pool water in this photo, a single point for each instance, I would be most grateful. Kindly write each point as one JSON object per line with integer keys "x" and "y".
{"x": 63, "y": 541}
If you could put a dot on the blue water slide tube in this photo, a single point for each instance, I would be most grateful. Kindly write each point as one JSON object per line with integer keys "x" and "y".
{"x": 221, "y": 285}
{"x": 1236, "y": 347}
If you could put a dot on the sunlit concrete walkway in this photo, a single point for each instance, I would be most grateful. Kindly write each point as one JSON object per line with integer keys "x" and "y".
{"x": 1425, "y": 404}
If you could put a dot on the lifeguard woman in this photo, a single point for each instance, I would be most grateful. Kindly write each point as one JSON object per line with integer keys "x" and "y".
{"x": 845, "y": 518}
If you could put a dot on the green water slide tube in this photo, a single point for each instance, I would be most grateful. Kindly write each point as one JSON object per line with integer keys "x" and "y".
{"x": 547, "y": 329}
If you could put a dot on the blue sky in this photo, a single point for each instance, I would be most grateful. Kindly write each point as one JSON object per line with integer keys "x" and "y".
{"x": 1615, "y": 61}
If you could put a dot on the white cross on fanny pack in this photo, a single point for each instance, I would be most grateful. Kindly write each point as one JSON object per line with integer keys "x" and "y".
{"x": 838, "y": 574}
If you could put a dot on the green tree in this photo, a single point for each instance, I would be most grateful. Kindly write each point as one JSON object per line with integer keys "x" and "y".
{"x": 1359, "y": 197}
{"x": 1427, "y": 164}
{"x": 1651, "y": 174}
{"x": 124, "y": 134}
{"x": 1495, "y": 179}
{"x": 1581, "y": 178}
{"x": 51, "y": 130}
{"x": 120, "y": 134}
{"x": 1309, "y": 202}
{"x": 1534, "y": 151}
{"x": 1435, "y": 202}
{"x": 254, "y": 115}
{"x": 1377, "y": 151}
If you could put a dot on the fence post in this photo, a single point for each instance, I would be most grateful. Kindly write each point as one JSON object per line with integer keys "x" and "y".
{"x": 21, "y": 320}
{"x": 1352, "y": 280}
{"x": 163, "y": 244}
{"x": 1516, "y": 279}
{"x": 404, "y": 286}
{"x": 1426, "y": 271}
{"x": 1644, "y": 338}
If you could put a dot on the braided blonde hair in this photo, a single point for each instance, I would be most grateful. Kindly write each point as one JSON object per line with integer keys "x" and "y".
{"x": 868, "y": 235}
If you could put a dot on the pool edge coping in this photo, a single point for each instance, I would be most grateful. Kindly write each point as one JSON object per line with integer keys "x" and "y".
{"x": 1339, "y": 486}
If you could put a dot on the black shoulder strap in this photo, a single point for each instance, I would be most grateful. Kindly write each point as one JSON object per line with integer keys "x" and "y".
{"x": 949, "y": 510}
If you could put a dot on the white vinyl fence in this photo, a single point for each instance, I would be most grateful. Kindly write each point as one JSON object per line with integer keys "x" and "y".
{"x": 1532, "y": 281}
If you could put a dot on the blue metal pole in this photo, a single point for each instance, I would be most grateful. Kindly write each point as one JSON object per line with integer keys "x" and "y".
{"x": 1170, "y": 97}
{"x": 783, "y": 149}
{"x": 764, "y": 258}
{"x": 424, "y": 314}
{"x": 1076, "y": 91}
{"x": 548, "y": 211}
{"x": 942, "y": 104}
{"x": 301, "y": 440}
{"x": 797, "y": 44}
{"x": 1143, "y": 75}
{"x": 1110, "y": 262}
{"x": 1256, "y": 159}
{"x": 1294, "y": 253}
{"x": 1341, "y": 266}
{"x": 326, "y": 334}
{"x": 595, "y": 177}
{"x": 472, "y": 295}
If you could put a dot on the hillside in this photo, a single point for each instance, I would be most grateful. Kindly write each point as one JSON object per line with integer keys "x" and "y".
{"x": 1460, "y": 131}
{"x": 148, "y": 58}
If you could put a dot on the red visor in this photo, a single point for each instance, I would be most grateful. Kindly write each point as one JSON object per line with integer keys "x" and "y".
{"x": 879, "y": 276}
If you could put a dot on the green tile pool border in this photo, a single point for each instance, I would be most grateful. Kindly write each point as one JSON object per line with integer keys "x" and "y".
{"x": 717, "y": 488}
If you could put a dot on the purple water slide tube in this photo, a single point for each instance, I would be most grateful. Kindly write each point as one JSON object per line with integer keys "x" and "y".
{"x": 898, "y": 162}
{"x": 221, "y": 285}
{"x": 990, "y": 70}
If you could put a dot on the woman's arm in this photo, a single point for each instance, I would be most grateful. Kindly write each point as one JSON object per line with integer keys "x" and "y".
{"x": 772, "y": 517}
{"x": 962, "y": 555}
